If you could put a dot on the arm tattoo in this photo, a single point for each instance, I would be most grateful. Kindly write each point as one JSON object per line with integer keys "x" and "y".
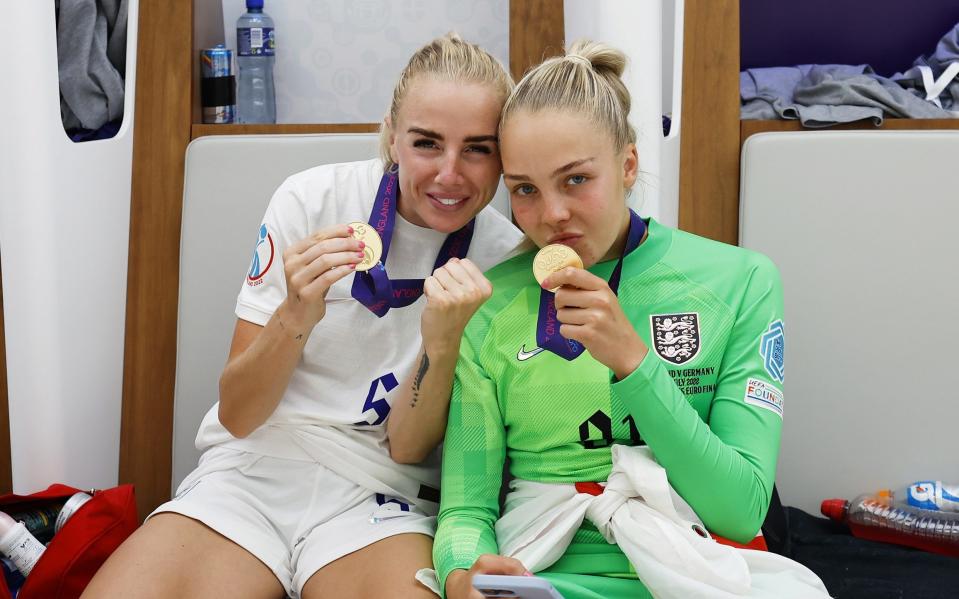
{"x": 283, "y": 326}
{"x": 418, "y": 382}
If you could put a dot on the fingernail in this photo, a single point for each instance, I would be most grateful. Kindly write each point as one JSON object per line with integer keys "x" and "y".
{"x": 362, "y": 245}
{"x": 547, "y": 284}
{"x": 352, "y": 267}
{"x": 360, "y": 254}
{"x": 350, "y": 229}
{"x": 528, "y": 573}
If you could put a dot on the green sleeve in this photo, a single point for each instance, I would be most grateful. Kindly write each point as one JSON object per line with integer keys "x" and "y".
{"x": 724, "y": 467}
{"x": 473, "y": 457}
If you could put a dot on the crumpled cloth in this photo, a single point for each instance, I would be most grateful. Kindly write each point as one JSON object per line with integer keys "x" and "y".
{"x": 942, "y": 58}
{"x": 659, "y": 532}
{"x": 91, "y": 50}
{"x": 824, "y": 95}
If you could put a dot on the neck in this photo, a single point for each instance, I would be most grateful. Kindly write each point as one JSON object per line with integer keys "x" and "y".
{"x": 407, "y": 212}
{"x": 619, "y": 244}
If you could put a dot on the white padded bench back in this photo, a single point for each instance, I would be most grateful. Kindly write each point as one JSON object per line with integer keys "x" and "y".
{"x": 863, "y": 228}
{"x": 228, "y": 183}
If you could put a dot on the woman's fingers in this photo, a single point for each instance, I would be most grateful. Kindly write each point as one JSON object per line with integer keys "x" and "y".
{"x": 574, "y": 277}
{"x": 332, "y": 232}
{"x": 498, "y": 564}
{"x": 317, "y": 289}
{"x": 330, "y": 246}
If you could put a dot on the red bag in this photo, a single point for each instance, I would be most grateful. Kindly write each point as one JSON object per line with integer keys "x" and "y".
{"x": 82, "y": 545}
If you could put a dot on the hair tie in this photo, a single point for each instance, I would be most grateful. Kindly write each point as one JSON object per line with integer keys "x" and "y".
{"x": 578, "y": 58}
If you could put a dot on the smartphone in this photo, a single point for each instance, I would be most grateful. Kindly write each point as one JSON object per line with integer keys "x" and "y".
{"x": 525, "y": 587}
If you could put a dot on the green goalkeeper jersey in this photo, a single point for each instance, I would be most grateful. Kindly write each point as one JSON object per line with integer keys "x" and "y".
{"x": 707, "y": 399}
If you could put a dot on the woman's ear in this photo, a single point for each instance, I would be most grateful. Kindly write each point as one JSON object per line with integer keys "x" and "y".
{"x": 630, "y": 165}
{"x": 388, "y": 122}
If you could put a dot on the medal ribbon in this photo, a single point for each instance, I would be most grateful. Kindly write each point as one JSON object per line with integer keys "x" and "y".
{"x": 373, "y": 288}
{"x": 547, "y": 326}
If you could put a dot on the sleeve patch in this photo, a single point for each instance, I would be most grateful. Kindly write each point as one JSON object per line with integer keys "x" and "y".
{"x": 262, "y": 257}
{"x": 771, "y": 348}
{"x": 764, "y": 395}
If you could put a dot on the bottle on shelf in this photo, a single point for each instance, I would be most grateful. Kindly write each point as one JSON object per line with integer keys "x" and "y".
{"x": 887, "y": 516}
{"x": 255, "y": 42}
{"x": 16, "y": 542}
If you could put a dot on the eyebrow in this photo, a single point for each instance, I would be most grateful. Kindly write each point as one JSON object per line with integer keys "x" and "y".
{"x": 438, "y": 137}
{"x": 558, "y": 171}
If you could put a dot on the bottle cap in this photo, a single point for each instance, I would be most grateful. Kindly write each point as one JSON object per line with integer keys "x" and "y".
{"x": 254, "y": 4}
{"x": 834, "y": 508}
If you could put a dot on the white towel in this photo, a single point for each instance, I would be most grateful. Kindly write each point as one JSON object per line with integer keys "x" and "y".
{"x": 660, "y": 534}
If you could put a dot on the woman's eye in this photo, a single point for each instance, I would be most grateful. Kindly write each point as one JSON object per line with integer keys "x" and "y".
{"x": 524, "y": 190}
{"x": 479, "y": 149}
{"x": 576, "y": 180}
{"x": 424, "y": 143}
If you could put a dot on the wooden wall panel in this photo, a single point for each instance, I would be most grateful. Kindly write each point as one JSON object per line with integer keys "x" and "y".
{"x": 6, "y": 470}
{"x": 709, "y": 147}
{"x": 293, "y": 128}
{"x": 752, "y": 127}
{"x": 536, "y": 32}
{"x": 162, "y": 120}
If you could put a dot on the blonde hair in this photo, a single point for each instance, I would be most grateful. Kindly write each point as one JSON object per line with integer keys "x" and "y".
{"x": 447, "y": 58}
{"x": 587, "y": 80}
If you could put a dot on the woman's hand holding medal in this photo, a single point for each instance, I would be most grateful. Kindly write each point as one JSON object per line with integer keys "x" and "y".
{"x": 453, "y": 294}
{"x": 589, "y": 312}
{"x": 314, "y": 264}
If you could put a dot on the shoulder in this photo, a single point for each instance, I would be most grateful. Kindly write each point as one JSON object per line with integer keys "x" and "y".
{"x": 495, "y": 238}
{"x": 509, "y": 278}
{"x": 512, "y": 281}
{"x": 706, "y": 254}
{"x": 329, "y": 193}
{"x": 341, "y": 177}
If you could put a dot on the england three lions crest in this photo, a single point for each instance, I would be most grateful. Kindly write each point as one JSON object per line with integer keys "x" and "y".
{"x": 676, "y": 336}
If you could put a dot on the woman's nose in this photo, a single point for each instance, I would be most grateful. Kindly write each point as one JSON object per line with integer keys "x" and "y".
{"x": 555, "y": 211}
{"x": 449, "y": 170}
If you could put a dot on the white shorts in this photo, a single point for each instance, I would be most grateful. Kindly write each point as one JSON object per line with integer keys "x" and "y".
{"x": 294, "y": 516}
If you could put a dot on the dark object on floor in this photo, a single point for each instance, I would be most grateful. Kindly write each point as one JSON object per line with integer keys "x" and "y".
{"x": 853, "y": 568}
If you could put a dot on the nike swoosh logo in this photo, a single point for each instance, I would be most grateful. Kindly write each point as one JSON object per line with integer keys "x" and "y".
{"x": 522, "y": 355}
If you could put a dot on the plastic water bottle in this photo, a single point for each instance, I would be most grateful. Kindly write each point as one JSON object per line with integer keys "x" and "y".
{"x": 879, "y": 517}
{"x": 255, "y": 41}
{"x": 16, "y": 542}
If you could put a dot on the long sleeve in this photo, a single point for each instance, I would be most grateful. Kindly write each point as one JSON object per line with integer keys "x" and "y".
{"x": 725, "y": 466}
{"x": 473, "y": 460}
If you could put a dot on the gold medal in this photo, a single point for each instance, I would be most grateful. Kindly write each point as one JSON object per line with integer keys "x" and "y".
{"x": 553, "y": 258}
{"x": 374, "y": 245}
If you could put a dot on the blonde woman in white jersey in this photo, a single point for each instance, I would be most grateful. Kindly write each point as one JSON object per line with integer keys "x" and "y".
{"x": 319, "y": 476}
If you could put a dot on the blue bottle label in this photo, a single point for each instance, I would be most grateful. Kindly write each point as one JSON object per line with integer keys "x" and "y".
{"x": 255, "y": 41}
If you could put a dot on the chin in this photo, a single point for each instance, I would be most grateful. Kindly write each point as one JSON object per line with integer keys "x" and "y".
{"x": 445, "y": 223}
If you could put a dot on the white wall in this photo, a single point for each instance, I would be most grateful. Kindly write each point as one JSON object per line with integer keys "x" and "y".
{"x": 337, "y": 60}
{"x": 64, "y": 225}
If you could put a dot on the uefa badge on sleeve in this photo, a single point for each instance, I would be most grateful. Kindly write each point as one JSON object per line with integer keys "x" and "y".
{"x": 771, "y": 347}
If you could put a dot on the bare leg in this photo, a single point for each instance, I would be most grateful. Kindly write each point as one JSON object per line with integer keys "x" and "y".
{"x": 172, "y": 556}
{"x": 383, "y": 570}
